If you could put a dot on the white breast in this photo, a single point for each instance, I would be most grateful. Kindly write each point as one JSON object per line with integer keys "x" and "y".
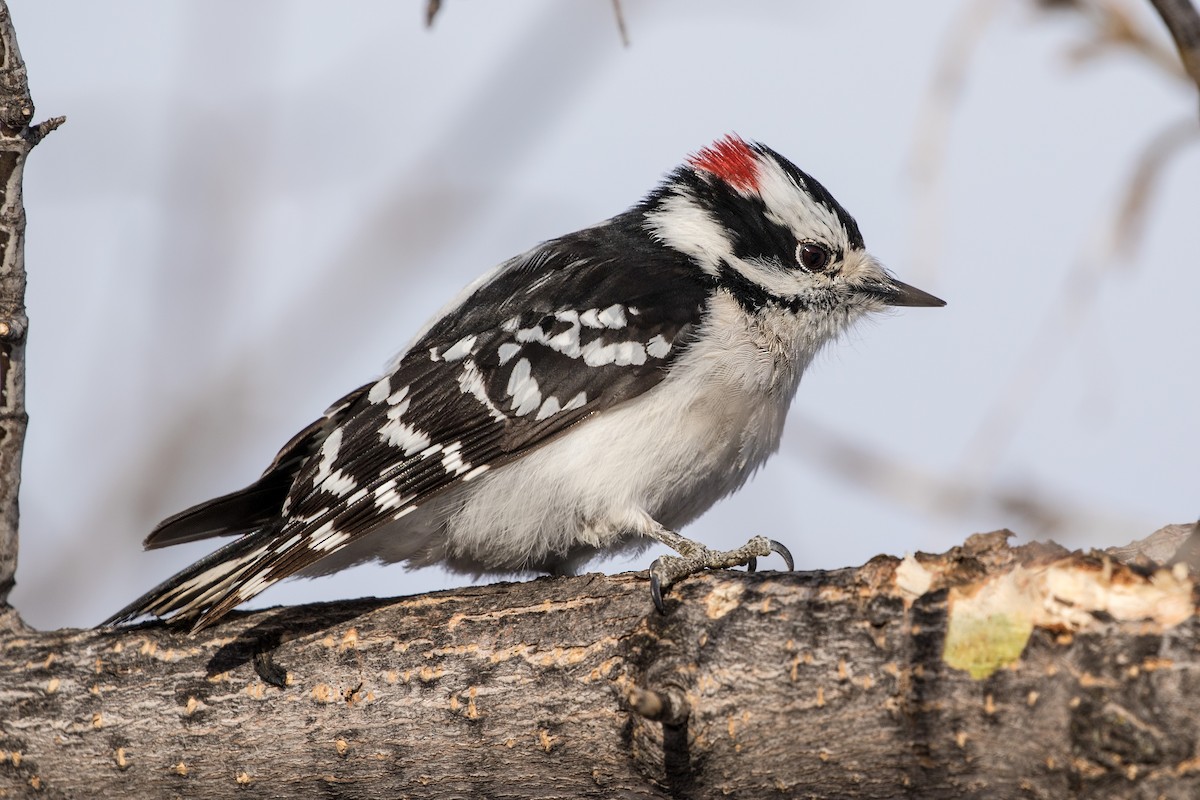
{"x": 670, "y": 453}
{"x": 667, "y": 455}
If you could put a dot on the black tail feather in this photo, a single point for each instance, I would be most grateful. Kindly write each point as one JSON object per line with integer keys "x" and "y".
{"x": 244, "y": 510}
{"x": 206, "y": 590}
{"x": 260, "y": 503}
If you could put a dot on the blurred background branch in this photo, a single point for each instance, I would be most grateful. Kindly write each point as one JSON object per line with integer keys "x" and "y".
{"x": 1184, "y": 24}
{"x": 1110, "y": 26}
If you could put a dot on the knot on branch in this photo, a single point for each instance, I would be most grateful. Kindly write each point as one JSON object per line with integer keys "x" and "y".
{"x": 669, "y": 706}
{"x": 13, "y": 329}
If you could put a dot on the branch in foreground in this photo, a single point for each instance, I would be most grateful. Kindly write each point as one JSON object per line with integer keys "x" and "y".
{"x": 983, "y": 672}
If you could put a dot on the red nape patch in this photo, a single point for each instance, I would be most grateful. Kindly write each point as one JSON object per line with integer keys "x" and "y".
{"x": 731, "y": 160}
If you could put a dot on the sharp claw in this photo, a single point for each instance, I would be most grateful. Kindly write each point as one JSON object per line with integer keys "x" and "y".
{"x": 778, "y": 547}
{"x": 666, "y": 569}
{"x": 656, "y": 591}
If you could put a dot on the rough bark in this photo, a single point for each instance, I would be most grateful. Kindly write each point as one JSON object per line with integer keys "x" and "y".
{"x": 17, "y": 138}
{"x": 984, "y": 672}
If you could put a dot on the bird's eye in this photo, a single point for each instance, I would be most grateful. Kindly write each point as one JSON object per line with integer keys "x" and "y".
{"x": 812, "y": 256}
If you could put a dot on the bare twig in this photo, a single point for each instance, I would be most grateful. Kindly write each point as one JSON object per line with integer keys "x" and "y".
{"x": 1115, "y": 238}
{"x": 1184, "y": 24}
{"x": 620, "y": 15}
{"x": 17, "y": 138}
{"x": 1151, "y": 165}
{"x": 952, "y": 496}
{"x": 1115, "y": 26}
{"x": 1112, "y": 25}
{"x": 933, "y": 126}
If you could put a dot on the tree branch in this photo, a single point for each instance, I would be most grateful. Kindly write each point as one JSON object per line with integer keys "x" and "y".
{"x": 1184, "y": 24}
{"x": 17, "y": 138}
{"x": 983, "y": 672}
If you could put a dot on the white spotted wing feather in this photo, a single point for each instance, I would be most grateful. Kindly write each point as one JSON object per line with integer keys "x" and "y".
{"x": 505, "y": 373}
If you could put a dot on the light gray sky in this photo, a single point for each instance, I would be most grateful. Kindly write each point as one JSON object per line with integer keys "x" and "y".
{"x": 253, "y": 206}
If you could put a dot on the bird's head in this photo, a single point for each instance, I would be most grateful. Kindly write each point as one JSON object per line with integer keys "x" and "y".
{"x": 773, "y": 236}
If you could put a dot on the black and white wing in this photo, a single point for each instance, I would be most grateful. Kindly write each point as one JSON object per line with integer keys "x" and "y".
{"x": 575, "y": 326}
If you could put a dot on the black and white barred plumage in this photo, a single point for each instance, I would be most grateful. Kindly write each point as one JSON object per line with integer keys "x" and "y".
{"x": 594, "y": 393}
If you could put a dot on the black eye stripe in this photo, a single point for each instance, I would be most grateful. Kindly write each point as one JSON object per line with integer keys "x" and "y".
{"x": 751, "y": 296}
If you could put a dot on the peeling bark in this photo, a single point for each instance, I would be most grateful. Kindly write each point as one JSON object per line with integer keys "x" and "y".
{"x": 1076, "y": 676}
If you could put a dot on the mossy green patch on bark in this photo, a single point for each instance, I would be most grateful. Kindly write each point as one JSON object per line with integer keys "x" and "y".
{"x": 980, "y": 645}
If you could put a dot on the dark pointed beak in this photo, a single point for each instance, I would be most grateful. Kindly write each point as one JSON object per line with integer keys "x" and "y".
{"x": 896, "y": 293}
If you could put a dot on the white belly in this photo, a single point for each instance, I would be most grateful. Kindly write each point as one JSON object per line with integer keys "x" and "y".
{"x": 670, "y": 454}
{"x": 666, "y": 455}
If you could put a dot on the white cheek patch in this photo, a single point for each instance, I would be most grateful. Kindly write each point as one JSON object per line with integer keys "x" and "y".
{"x": 777, "y": 280}
{"x": 685, "y": 225}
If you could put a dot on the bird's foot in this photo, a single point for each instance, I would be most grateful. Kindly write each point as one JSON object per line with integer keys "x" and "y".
{"x": 693, "y": 558}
